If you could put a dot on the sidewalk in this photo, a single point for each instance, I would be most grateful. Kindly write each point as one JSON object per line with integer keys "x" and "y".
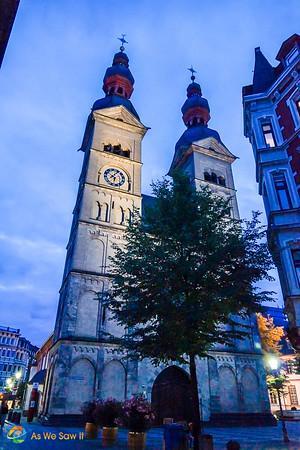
{"x": 41, "y": 437}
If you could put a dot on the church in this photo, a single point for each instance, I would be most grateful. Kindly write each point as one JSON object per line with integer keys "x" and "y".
{"x": 83, "y": 364}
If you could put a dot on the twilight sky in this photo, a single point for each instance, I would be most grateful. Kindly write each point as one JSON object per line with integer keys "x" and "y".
{"x": 52, "y": 73}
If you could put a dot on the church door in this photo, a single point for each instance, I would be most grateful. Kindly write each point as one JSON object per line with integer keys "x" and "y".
{"x": 171, "y": 395}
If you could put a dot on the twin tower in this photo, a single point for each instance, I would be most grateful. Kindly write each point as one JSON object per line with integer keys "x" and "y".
{"x": 83, "y": 364}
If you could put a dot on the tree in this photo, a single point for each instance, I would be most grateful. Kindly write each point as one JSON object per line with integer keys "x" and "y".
{"x": 276, "y": 384}
{"x": 186, "y": 271}
{"x": 270, "y": 334}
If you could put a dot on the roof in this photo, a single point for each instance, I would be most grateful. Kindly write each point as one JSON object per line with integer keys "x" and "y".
{"x": 114, "y": 100}
{"x": 189, "y": 137}
{"x": 263, "y": 76}
{"x": 196, "y": 133}
{"x": 39, "y": 377}
{"x": 193, "y": 101}
{"x": 287, "y": 46}
{"x": 121, "y": 70}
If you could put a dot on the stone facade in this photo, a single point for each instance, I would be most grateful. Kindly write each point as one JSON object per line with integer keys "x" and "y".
{"x": 83, "y": 364}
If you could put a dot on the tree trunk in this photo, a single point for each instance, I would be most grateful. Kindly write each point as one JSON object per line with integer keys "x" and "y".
{"x": 195, "y": 399}
{"x": 284, "y": 430}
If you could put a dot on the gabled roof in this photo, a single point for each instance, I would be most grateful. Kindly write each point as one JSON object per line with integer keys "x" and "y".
{"x": 287, "y": 46}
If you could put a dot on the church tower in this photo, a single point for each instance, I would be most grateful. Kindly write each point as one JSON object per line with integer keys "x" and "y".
{"x": 200, "y": 152}
{"x": 82, "y": 359}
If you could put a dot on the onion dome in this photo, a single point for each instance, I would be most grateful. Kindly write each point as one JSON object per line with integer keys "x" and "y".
{"x": 195, "y": 114}
{"x": 118, "y": 79}
{"x": 117, "y": 83}
{"x": 195, "y": 110}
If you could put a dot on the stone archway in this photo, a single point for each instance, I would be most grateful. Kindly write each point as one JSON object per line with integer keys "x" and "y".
{"x": 81, "y": 385}
{"x": 171, "y": 395}
{"x": 228, "y": 390}
{"x": 113, "y": 381}
{"x": 250, "y": 390}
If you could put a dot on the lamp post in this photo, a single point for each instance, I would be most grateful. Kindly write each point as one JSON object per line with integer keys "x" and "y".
{"x": 277, "y": 384}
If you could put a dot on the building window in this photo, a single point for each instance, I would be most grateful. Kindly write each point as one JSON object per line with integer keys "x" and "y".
{"x": 293, "y": 395}
{"x": 282, "y": 191}
{"x": 116, "y": 150}
{"x": 297, "y": 103}
{"x": 290, "y": 367}
{"x": 221, "y": 181}
{"x": 292, "y": 56}
{"x": 296, "y": 259}
{"x": 207, "y": 176}
{"x": 273, "y": 398}
{"x": 268, "y": 133}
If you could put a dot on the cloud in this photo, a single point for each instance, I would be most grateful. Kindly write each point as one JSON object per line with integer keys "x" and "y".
{"x": 25, "y": 245}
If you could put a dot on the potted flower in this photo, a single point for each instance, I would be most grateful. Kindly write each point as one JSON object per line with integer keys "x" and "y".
{"x": 91, "y": 428}
{"x": 138, "y": 416}
{"x": 106, "y": 414}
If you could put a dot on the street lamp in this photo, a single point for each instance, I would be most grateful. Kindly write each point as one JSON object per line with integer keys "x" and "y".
{"x": 9, "y": 382}
{"x": 18, "y": 375}
{"x": 273, "y": 362}
{"x": 277, "y": 384}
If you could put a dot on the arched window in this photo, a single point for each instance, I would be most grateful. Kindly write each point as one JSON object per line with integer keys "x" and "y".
{"x": 207, "y": 176}
{"x": 122, "y": 217}
{"x": 120, "y": 90}
{"x": 98, "y": 211}
{"x": 221, "y": 181}
{"x": 111, "y": 91}
{"x": 214, "y": 177}
{"x": 104, "y": 212}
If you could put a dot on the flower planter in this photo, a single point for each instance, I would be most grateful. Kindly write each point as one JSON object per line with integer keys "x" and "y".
{"x": 91, "y": 431}
{"x": 109, "y": 434}
{"x": 136, "y": 441}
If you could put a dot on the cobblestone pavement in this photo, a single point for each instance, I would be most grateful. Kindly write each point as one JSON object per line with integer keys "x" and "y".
{"x": 256, "y": 438}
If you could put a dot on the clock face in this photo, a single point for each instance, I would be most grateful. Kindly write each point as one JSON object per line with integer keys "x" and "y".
{"x": 114, "y": 177}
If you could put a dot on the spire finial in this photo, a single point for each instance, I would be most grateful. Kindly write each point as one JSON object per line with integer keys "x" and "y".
{"x": 123, "y": 40}
{"x": 192, "y": 70}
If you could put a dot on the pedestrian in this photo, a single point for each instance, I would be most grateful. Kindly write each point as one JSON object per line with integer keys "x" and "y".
{"x": 3, "y": 413}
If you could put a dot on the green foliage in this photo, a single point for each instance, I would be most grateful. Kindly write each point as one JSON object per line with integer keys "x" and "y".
{"x": 277, "y": 383}
{"x": 187, "y": 274}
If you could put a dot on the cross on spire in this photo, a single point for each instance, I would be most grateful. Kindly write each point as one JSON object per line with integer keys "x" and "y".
{"x": 192, "y": 70}
{"x": 123, "y": 40}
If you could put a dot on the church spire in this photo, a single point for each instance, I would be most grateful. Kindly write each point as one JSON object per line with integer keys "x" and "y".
{"x": 195, "y": 110}
{"x": 118, "y": 79}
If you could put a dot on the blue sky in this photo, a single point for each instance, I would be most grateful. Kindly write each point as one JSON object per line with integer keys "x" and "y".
{"x": 51, "y": 75}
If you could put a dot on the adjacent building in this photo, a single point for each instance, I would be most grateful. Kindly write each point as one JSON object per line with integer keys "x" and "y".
{"x": 16, "y": 356}
{"x": 289, "y": 363}
{"x": 8, "y": 11}
{"x": 37, "y": 376}
{"x": 83, "y": 362}
{"x": 272, "y": 124}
